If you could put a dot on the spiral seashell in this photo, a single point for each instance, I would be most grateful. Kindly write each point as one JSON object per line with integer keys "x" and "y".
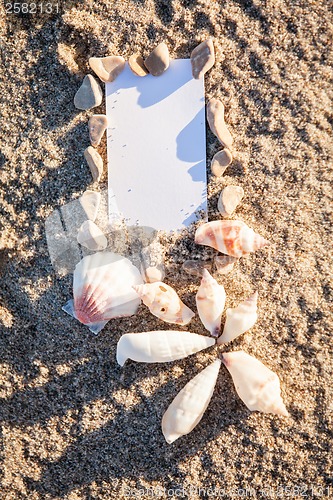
{"x": 232, "y": 237}
{"x": 256, "y": 385}
{"x": 160, "y": 346}
{"x": 102, "y": 289}
{"x": 240, "y": 319}
{"x": 210, "y": 300}
{"x": 188, "y": 407}
{"x": 164, "y": 303}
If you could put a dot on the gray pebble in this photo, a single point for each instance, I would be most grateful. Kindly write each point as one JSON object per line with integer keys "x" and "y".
{"x": 158, "y": 60}
{"x": 95, "y": 162}
{"x": 97, "y": 125}
{"x": 202, "y": 58}
{"x": 220, "y": 162}
{"x": 215, "y": 118}
{"x": 89, "y": 94}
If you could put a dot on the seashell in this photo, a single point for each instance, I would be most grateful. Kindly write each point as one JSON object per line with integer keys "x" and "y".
{"x": 102, "y": 289}
{"x": 210, "y": 300}
{"x": 256, "y": 385}
{"x": 229, "y": 199}
{"x": 90, "y": 236}
{"x": 160, "y": 346}
{"x": 240, "y": 319}
{"x": 232, "y": 237}
{"x": 188, "y": 407}
{"x": 164, "y": 303}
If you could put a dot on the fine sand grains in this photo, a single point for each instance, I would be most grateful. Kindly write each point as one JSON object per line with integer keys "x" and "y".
{"x": 73, "y": 424}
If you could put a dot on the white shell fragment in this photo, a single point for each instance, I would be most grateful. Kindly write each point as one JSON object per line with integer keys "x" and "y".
{"x": 256, "y": 385}
{"x": 160, "y": 346}
{"x": 188, "y": 407}
{"x": 210, "y": 300}
{"x": 215, "y": 118}
{"x": 164, "y": 303}
{"x": 90, "y": 236}
{"x": 102, "y": 289}
{"x": 229, "y": 198}
{"x": 90, "y": 202}
{"x": 231, "y": 237}
{"x": 240, "y": 319}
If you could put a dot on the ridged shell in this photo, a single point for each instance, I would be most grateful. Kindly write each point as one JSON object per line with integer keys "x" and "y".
{"x": 239, "y": 319}
{"x": 188, "y": 407}
{"x": 103, "y": 289}
{"x": 160, "y": 346}
{"x": 232, "y": 237}
{"x": 210, "y": 301}
{"x": 256, "y": 385}
{"x": 164, "y": 303}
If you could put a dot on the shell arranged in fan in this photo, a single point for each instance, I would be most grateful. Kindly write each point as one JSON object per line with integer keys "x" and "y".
{"x": 102, "y": 289}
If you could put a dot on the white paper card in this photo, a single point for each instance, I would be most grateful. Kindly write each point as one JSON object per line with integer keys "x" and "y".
{"x": 157, "y": 147}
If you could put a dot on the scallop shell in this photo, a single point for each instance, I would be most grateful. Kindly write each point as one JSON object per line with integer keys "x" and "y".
{"x": 256, "y": 385}
{"x": 240, "y": 319}
{"x": 231, "y": 237}
{"x": 210, "y": 301}
{"x": 160, "y": 346}
{"x": 188, "y": 407}
{"x": 102, "y": 289}
{"x": 164, "y": 303}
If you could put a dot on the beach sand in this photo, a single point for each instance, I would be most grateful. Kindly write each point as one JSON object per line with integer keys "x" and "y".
{"x": 74, "y": 424}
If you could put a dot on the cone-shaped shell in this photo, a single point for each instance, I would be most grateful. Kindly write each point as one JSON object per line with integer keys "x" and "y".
{"x": 231, "y": 237}
{"x": 160, "y": 346}
{"x": 103, "y": 288}
{"x": 188, "y": 407}
{"x": 240, "y": 319}
{"x": 256, "y": 385}
{"x": 164, "y": 303}
{"x": 210, "y": 301}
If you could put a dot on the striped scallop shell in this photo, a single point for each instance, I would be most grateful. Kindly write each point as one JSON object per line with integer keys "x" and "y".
{"x": 231, "y": 237}
{"x": 102, "y": 289}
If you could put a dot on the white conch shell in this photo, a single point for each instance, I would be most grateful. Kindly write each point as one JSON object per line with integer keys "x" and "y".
{"x": 102, "y": 289}
{"x": 160, "y": 346}
{"x": 210, "y": 300}
{"x": 240, "y": 319}
{"x": 164, "y": 303}
{"x": 188, "y": 407}
{"x": 231, "y": 237}
{"x": 256, "y": 385}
